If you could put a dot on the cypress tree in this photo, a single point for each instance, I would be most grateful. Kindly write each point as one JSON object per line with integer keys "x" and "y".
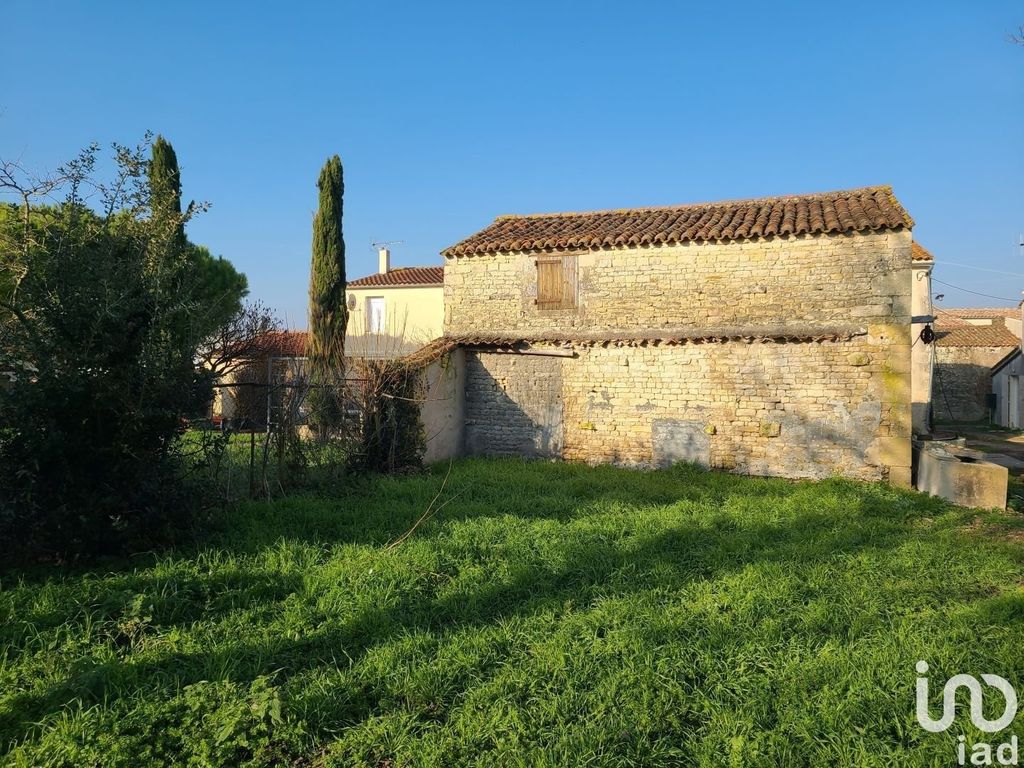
{"x": 165, "y": 186}
{"x": 328, "y": 314}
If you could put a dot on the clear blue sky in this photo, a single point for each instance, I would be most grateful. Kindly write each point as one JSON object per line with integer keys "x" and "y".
{"x": 447, "y": 114}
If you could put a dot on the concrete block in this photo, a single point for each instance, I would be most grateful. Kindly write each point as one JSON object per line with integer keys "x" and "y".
{"x": 890, "y": 452}
{"x": 961, "y": 476}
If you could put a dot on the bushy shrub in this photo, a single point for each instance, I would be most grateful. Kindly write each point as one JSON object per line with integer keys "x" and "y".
{"x": 98, "y": 331}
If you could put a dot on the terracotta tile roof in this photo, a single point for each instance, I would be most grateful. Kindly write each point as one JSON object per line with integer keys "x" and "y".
{"x": 857, "y": 210}
{"x": 293, "y": 344}
{"x": 654, "y": 337}
{"x": 920, "y": 253}
{"x": 982, "y": 313}
{"x": 664, "y": 336}
{"x": 282, "y": 344}
{"x": 402, "y": 276}
{"x": 953, "y": 331}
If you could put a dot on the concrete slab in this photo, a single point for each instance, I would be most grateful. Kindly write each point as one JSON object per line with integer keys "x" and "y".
{"x": 1003, "y": 460}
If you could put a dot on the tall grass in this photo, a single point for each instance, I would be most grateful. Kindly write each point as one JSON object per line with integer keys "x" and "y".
{"x": 551, "y": 614}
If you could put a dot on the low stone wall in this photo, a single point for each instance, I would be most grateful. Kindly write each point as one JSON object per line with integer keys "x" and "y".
{"x": 802, "y": 410}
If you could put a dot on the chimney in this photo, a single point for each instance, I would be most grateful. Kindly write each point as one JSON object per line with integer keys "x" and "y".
{"x": 384, "y": 256}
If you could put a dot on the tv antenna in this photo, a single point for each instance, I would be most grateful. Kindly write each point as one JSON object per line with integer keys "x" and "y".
{"x": 385, "y": 244}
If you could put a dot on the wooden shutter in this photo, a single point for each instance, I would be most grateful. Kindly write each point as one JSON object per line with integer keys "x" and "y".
{"x": 568, "y": 282}
{"x": 556, "y": 282}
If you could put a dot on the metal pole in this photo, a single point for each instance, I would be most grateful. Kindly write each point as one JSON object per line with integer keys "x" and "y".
{"x": 252, "y": 463}
{"x": 270, "y": 362}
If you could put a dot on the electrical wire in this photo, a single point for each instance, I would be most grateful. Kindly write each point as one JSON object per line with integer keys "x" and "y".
{"x": 965, "y": 290}
{"x": 981, "y": 269}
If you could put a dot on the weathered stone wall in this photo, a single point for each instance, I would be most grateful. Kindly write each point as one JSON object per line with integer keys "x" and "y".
{"x": 793, "y": 409}
{"x": 783, "y": 280}
{"x": 796, "y": 409}
{"x": 514, "y": 405}
{"x": 963, "y": 377}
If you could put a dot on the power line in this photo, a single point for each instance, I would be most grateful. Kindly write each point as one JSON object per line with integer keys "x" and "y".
{"x": 981, "y": 269}
{"x": 965, "y": 290}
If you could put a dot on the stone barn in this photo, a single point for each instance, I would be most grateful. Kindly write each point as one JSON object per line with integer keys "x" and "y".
{"x": 769, "y": 336}
{"x": 969, "y": 341}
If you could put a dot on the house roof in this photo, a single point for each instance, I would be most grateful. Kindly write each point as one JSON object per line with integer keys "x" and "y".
{"x": 281, "y": 344}
{"x": 982, "y": 313}
{"x": 402, "y": 276}
{"x": 919, "y": 253}
{"x": 868, "y": 209}
{"x": 952, "y": 330}
{"x": 653, "y": 338}
{"x": 293, "y": 344}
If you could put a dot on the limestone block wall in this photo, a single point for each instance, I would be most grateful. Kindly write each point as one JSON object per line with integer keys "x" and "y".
{"x": 514, "y": 405}
{"x": 790, "y": 409}
{"x": 795, "y": 409}
{"x": 963, "y": 377}
{"x": 792, "y": 280}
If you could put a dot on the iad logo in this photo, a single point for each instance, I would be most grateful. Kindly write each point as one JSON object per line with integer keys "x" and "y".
{"x": 982, "y": 752}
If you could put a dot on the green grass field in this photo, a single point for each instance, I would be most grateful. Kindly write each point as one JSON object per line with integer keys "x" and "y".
{"x": 547, "y": 615}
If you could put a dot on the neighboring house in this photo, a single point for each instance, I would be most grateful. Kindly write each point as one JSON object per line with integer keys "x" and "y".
{"x": 1009, "y": 395}
{"x": 243, "y": 397}
{"x": 391, "y": 313}
{"x": 769, "y": 336}
{"x": 968, "y": 343}
{"x": 396, "y": 310}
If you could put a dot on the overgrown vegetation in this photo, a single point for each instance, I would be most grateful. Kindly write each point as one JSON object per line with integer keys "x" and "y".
{"x": 391, "y": 435}
{"x": 546, "y": 615}
{"x": 103, "y": 303}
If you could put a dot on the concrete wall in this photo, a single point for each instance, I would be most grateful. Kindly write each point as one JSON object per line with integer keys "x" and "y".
{"x": 1013, "y": 325}
{"x": 963, "y": 377}
{"x": 801, "y": 409}
{"x": 413, "y": 313}
{"x": 961, "y": 476}
{"x": 921, "y": 353}
{"x": 443, "y": 408}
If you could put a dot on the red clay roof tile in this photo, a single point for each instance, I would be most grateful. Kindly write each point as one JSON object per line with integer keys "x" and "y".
{"x": 952, "y": 330}
{"x": 920, "y": 253}
{"x": 402, "y": 276}
{"x": 869, "y": 209}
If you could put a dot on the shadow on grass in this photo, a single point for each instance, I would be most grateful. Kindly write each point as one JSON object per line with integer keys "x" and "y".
{"x": 587, "y": 566}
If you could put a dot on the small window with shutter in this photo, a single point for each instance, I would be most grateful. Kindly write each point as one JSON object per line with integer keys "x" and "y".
{"x": 556, "y": 282}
